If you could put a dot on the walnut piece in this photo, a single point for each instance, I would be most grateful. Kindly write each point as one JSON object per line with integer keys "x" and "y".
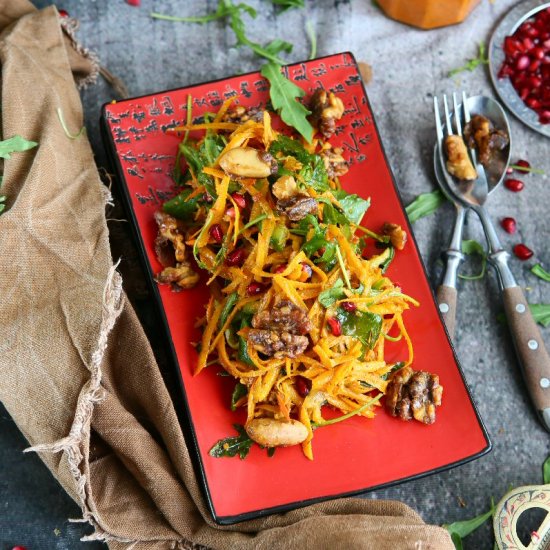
{"x": 285, "y": 187}
{"x": 334, "y": 162}
{"x": 171, "y": 253}
{"x": 240, "y": 114}
{"x": 280, "y": 331}
{"x": 326, "y": 109}
{"x": 397, "y": 236}
{"x": 458, "y": 163}
{"x": 481, "y": 134}
{"x": 414, "y": 394}
{"x": 297, "y": 207}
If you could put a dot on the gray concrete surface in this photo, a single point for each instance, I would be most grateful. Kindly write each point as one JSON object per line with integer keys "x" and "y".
{"x": 409, "y": 67}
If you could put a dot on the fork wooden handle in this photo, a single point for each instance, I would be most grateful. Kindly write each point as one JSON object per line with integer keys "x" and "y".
{"x": 530, "y": 349}
{"x": 446, "y": 301}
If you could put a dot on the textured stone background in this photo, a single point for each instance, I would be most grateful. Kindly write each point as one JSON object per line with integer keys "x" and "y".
{"x": 409, "y": 67}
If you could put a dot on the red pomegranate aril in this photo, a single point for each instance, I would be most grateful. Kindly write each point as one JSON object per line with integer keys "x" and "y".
{"x": 230, "y": 212}
{"x": 303, "y": 386}
{"x": 216, "y": 232}
{"x": 514, "y": 185}
{"x": 534, "y": 82}
{"x": 280, "y": 268}
{"x": 522, "y": 62}
{"x": 524, "y": 93}
{"x": 239, "y": 199}
{"x": 255, "y": 288}
{"x": 544, "y": 117}
{"x": 63, "y": 13}
{"x": 522, "y": 252}
{"x": 349, "y": 306}
{"x": 537, "y": 53}
{"x": 509, "y": 171}
{"x": 528, "y": 44}
{"x": 235, "y": 257}
{"x": 521, "y": 163}
{"x": 509, "y": 225}
{"x": 535, "y": 64}
{"x": 206, "y": 197}
{"x": 533, "y": 103}
{"x": 335, "y": 326}
{"x": 510, "y": 46}
{"x": 135, "y": 3}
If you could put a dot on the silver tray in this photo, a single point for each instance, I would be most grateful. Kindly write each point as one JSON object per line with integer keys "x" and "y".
{"x": 507, "y": 26}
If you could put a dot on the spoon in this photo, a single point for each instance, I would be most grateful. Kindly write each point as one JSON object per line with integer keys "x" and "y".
{"x": 530, "y": 349}
{"x": 446, "y": 292}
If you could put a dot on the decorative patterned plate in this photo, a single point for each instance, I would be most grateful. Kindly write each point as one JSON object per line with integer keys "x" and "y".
{"x": 352, "y": 456}
{"x": 508, "y": 26}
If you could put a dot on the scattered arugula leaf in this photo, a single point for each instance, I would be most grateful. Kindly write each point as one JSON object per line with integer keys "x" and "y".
{"x": 332, "y": 295}
{"x": 525, "y": 169}
{"x": 541, "y": 313}
{"x": 288, "y": 4}
{"x": 315, "y": 175}
{"x": 471, "y": 247}
{"x": 546, "y": 471}
{"x": 291, "y": 147}
{"x": 460, "y": 529}
{"x": 424, "y": 205}
{"x": 284, "y": 94}
{"x": 310, "y": 31}
{"x": 231, "y": 446}
{"x": 240, "y": 391}
{"x": 354, "y": 206}
{"x": 180, "y": 207}
{"x": 472, "y": 64}
{"x": 540, "y": 272}
{"x": 15, "y": 144}
{"x": 363, "y": 325}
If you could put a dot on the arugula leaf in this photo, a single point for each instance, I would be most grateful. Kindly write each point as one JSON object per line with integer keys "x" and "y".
{"x": 231, "y": 446}
{"x": 283, "y": 94}
{"x": 354, "y": 206}
{"x": 540, "y": 272}
{"x": 546, "y": 471}
{"x": 15, "y": 144}
{"x": 291, "y": 147}
{"x": 312, "y": 39}
{"x": 424, "y": 205}
{"x": 240, "y": 391}
{"x": 243, "y": 347}
{"x": 541, "y": 313}
{"x": 230, "y": 302}
{"x": 332, "y": 216}
{"x": 315, "y": 175}
{"x": 473, "y": 247}
{"x": 471, "y": 64}
{"x": 332, "y": 295}
{"x": 363, "y": 325}
{"x": 180, "y": 207}
{"x": 288, "y": 4}
{"x": 386, "y": 263}
{"x": 460, "y": 529}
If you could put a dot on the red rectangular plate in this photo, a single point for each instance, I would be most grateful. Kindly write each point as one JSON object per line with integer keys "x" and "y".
{"x": 352, "y": 456}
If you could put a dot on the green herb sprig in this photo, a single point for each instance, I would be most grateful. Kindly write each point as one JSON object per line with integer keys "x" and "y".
{"x": 540, "y": 272}
{"x": 525, "y": 169}
{"x": 460, "y": 529}
{"x": 424, "y": 205}
{"x": 472, "y": 247}
{"x": 15, "y": 144}
{"x": 472, "y": 64}
{"x": 288, "y": 4}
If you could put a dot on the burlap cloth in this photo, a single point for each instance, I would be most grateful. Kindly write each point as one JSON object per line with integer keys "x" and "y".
{"x": 77, "y": 373}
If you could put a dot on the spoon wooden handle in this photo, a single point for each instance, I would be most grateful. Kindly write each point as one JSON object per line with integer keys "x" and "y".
{"x": 446, "y": 300}
{"x": 530, "y": 349}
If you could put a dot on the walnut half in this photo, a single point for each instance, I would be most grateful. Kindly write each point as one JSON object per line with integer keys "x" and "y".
{"x": 414, "y": 394}
{"x": 326, "y": 110}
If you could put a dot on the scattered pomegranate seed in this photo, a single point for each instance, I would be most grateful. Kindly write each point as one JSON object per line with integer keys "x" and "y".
{"x": 255, "y": 288}
{"x": 230, "y": 212}
{"x": 19, "y": 548}
{"x": 216, "y": 232}
{"x": 509, "y": 171}
{"x": 509, "y": 225}
{"x": 522, "y": 164}
{"x": 135, "y": 3}
{"x": 514, "y": 185}
{"x": 63, "y": 13}
{"x": 280, "y": 268}
{"x": 522, "y": 252}
{"x": 206, "y": 197}
{"x": 349, "y": 306}
{"x": 303, "y": 386}
{"x": 388, "y": 315}
{"x": 240, "y": 200}
{"x": 335, "y": 326}
{"x": 236, "y": 257}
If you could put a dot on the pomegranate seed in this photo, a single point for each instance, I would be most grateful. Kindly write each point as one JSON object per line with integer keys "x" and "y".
{"x": 509, "y": 225}
{"x": 514, "y": 185}
{"x": 533, "y": 103}
{"x": 63, "y": 13}
{"x": 255, "y": 288}
{"x": 135, "y": 3}
{"x": 534, "y": 65}
{"x": 280, "y": 268}
{"x": 349, "y": 306}
{"x": 216, "y": 232}
{"x": 509, "y": 171}
{"x": 522, "y": 62}
{"x": 335, "y": 326}
{"x": 303, "y": 386}
{"x": 537, "y": 53}
{"x": 522, "y": 252}
{"x": 544, "y": 117}
{"x": 239, "y": 199}
{"x": 207, "y": 198}
{"x": 388, "y": 315}
{"x": 230, "y": 212}
{"x": 235, "y": 257}
{"x": 523, "y": 164}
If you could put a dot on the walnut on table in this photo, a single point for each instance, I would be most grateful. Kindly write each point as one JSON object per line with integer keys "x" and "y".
{"x": 414, "y": 394}
{"x": 280, "y": 331}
